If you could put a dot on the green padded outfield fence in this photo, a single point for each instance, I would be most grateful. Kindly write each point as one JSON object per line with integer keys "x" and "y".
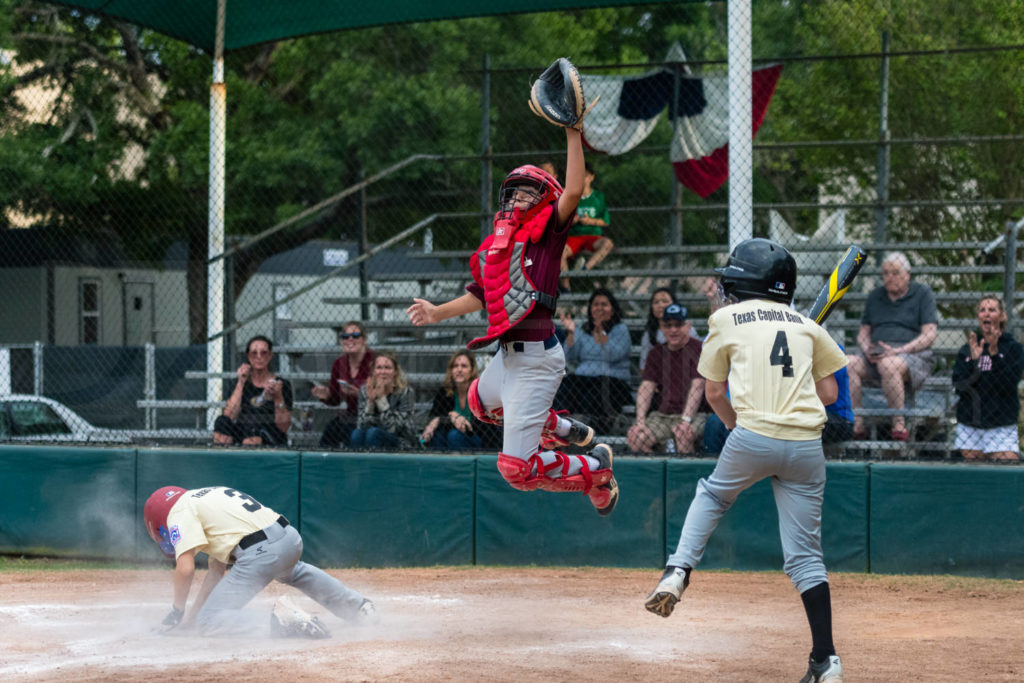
{"x": 382, "y": 510}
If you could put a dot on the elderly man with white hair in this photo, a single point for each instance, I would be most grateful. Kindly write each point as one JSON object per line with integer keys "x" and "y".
{"x": 897, "y": 331}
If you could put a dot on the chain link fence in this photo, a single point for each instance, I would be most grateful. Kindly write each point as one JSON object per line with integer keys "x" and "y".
{"x": 361, "y": 170}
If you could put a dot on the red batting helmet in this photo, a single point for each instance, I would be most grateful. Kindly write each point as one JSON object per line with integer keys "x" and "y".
{"x": 527, "y": 183}
{"x": 155, "y": 516}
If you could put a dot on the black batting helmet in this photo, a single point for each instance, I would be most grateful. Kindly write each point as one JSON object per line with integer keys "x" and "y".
{"x": 759, "y": 269}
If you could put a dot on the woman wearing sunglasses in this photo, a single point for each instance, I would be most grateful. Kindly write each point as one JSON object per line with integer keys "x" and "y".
{"x": 349, "y": 372}
{"x": 259, "y": 410}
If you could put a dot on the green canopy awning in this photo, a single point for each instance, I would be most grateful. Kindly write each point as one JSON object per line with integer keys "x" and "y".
{"x": 250, "y": 22}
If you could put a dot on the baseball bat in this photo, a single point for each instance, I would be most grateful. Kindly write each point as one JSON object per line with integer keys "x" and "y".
{"x": 838, "y": 282}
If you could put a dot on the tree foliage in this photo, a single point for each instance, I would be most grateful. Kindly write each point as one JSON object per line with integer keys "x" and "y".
{"x": 105, "y": 126}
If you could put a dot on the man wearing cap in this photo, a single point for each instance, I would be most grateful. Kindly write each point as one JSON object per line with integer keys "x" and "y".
{"x": 671, "y": 374}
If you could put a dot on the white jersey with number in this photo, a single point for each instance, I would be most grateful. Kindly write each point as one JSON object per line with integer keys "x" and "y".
{"x": 771, "y": 356}
{"x": 214, "y": 519}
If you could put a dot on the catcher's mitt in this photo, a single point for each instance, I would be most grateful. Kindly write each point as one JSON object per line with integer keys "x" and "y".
{"x": 557, "y": 96}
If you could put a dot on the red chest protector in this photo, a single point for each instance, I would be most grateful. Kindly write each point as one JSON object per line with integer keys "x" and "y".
{"x": 498, "y": 267}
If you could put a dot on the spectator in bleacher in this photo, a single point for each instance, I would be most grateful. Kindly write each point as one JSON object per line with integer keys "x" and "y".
{"x": 452, "y": 426}
{"x": 259, "y": 410}
{"x": 599, "y": 386}
{"x": 840, "y": 415}
{"x": 670, "y": 375}
{"x": 985, "y": 375}
{"x": 896, "y": 333}
{"x": 348, "y": 373}
{"x": 386, "y": 407}
{"x": 586, "y": 233}
{"x": 661, "y": 298}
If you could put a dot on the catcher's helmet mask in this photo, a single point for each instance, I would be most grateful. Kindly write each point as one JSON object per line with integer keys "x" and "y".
{"x": 525, "y": 191}
{"x": 759, "y": 269}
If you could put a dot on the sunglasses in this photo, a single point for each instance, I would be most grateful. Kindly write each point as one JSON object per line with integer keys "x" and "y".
{"x": 259, "y": 352}
{"x": 350, "y": 335}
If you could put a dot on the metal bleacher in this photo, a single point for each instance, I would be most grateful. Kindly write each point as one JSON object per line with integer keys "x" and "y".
{"x": 929, "y": 411}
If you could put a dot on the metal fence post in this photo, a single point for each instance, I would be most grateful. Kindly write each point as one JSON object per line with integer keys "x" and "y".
{"x": 1010, "y": 277}
{"x": 676, "y": 199}
{"x": 230, "y": 339}
{"x": 215, "y": 230}
{"x": 5, "y": 370}
{"x": 364, "y": 290}
{"x": 882, "y": 187}
{"x": 741, "y": 161}
{"x": 37, "y": 368}
{"x": 149, "y": 383}
{"x": 486, "y": 170}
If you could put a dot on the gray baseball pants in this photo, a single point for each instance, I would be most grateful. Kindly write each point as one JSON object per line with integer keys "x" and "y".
{"x": 523, "y": 383}
{"x": 255, "y": 567}
{"x": 797, "y": 469}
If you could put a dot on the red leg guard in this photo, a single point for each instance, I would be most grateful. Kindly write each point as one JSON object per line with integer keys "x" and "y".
{"x": 582, "y": 481}
{"x": 494, "y": 417}
{"x": 549, "y": 440}
{"x": 519, "y": 473}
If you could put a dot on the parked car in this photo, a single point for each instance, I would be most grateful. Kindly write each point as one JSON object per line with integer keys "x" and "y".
{"x": 26, "y": 418}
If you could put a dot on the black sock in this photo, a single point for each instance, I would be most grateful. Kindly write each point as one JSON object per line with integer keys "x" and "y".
{"x": 818, "y": 605}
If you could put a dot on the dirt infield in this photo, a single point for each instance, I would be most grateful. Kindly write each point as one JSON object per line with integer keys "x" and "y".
{"x": 505, "y": 624}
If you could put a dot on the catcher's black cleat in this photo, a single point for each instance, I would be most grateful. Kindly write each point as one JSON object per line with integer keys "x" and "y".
{"x": 829, "y": 670}
{"x": 580, "y": 434}
{"x": 666, "y": 594}
{"x": 604, "y": 496}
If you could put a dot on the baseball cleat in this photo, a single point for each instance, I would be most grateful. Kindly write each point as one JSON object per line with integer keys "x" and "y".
{"x": 666, "y": 594}
{"x": 580, "y": 434}
{"x": 288, "y": 620}
{"x": 830, "y": 670}
{"x": 367, "y": 614}
{"x": 605, "y": 496}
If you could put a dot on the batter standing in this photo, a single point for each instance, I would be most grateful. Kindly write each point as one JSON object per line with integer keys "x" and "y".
{"x": 779, "y": 367}
{"x": 515, "y": 277}
{"x": 259, "y": 545}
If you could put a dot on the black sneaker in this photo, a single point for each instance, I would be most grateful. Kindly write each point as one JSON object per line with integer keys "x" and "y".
{"x": 830, "y": 670}
{"x": 666, "y": 594}
{"x": 580, "y": 434}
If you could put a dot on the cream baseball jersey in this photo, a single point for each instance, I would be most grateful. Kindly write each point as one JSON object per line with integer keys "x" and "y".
{"x": 771, "y": 357}
{"x": 214, "y": 519}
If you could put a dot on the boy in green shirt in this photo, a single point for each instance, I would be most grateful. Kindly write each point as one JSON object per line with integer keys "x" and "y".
{"x": 586, "y": 231}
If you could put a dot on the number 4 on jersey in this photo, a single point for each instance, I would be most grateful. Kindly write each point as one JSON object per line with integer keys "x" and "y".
{"x": 780, "y": 354}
